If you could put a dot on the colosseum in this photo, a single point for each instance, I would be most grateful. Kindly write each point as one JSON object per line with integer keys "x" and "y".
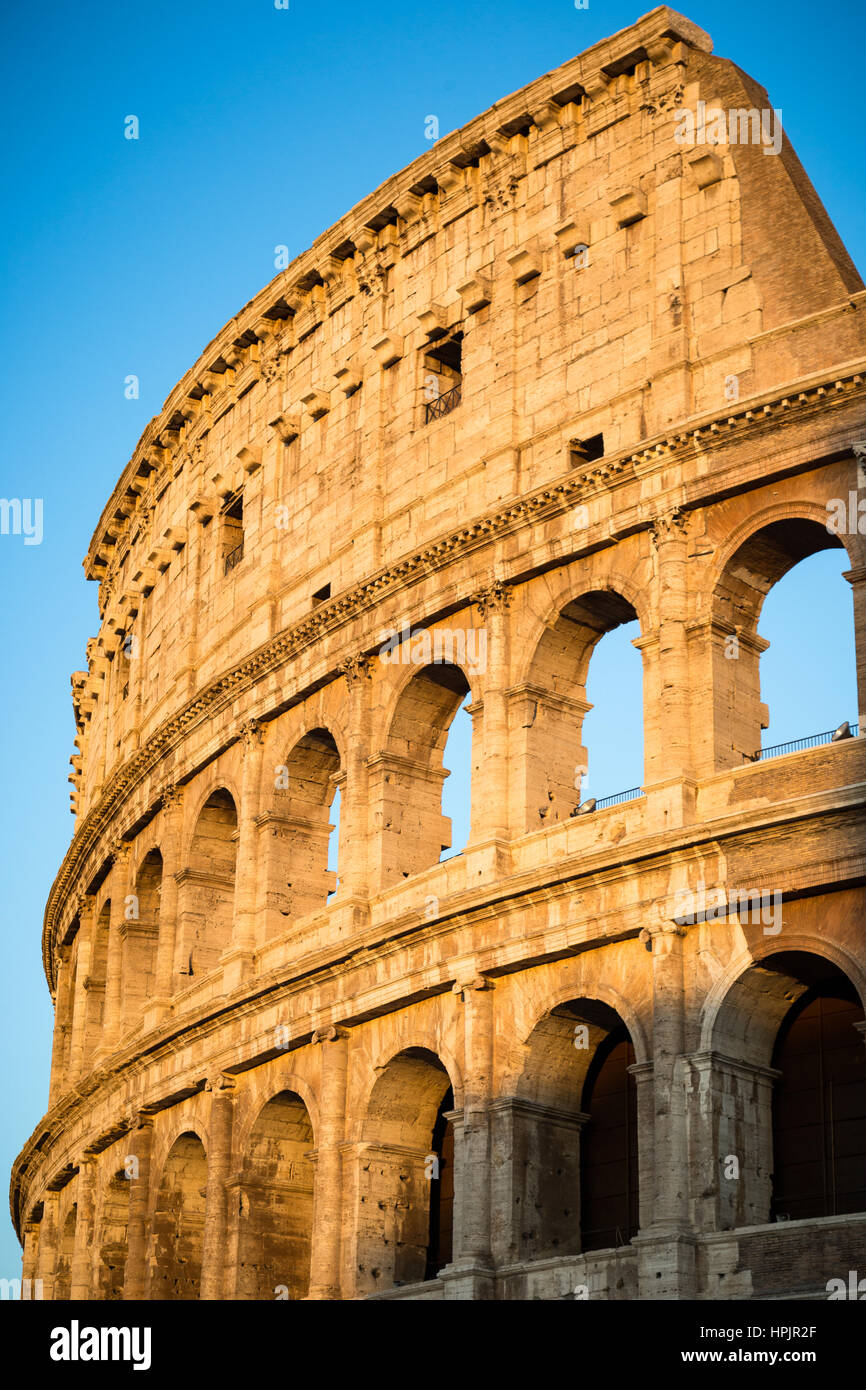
{"x": 580, "y": 364}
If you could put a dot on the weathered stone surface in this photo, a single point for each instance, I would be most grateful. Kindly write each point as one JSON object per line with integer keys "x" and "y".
{"x": 561, "y": 372}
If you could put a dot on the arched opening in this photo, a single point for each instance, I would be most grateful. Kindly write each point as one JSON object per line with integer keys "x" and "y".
{"x": 178, "y": 1223}
{"x": 404, "y": 1232}
{"x": 745, "y": 703}
{"x": 573, "y": 1135}
{"x": 569, "y": 750}
{"x": 785, "y": 1093}
{"x": 457, "y": 788}
{"x": 613, "y": 728}
{"x": 276, "y": 1203}
{"x": 65, "y": 1251}
{"x": 140, "y": 938}
{"x": 440, "y": 1241}
{"x": 113, "y": 1235}
{"x": 206, "y": 889}
{"x": 304, "y": 848}
{"x": 95, "y": 1002}
{"x": 406, "y": 784}
{"x": 815, "y": 695}
{"x": 609, "y": 1188}
{"x": 819, "y": 1102}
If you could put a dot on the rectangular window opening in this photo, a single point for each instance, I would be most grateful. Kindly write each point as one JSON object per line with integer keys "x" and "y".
{"x": 443, "y": 377}
{"x": 232, "y": 530}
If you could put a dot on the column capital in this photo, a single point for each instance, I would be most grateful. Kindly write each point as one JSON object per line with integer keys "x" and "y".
{"x": 172, "y": 797}
{"x": 120, "y": 851}
{"x": 332, "y": 1033}
{"x": 660, "y": 940}
{"x": 222, "y": 1084}
{"x": 357, "y": 668}
{"x": 672, "y": 525}
{"x": 473, "y": 982}
{"x": 252, "y": 734}
{"x": 85, "y": 905}
{"x": 494, "y": 597}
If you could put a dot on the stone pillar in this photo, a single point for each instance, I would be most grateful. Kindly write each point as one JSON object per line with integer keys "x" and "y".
{"x": 535, "y": 1168}
{"x": 86, "y": 932}
{"x": 643, "y": 1075}
{"x": 114, "y": 968}
{"x": 219, "y": 1156}
{"x": 354, "y": 867}
{"x": 667, "y": 1248}
{"x": 328, "y": 1194}
{"x": 46, "y": 1264}
{"x": 62, "y": 1025}
{"x": 81, "y": 1274}
{"x": 491, "y": 795}
{"x": 671, "y": 787}
{"x": 171, "y": 848}
{"x": 730, "y": 1106}
{"x": 30, "y": 1289}
{"x": 136, "y": 1279}
{"x": 857, "y": 579}
{"x": 470, "y": 1274}
{"x": 238, "y": 959}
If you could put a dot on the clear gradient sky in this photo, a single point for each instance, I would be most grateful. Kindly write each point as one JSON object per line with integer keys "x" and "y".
{"x": 261, "y": 127}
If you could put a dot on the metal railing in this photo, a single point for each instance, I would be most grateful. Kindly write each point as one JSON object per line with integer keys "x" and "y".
{"x": 631, "y": 795}
{"x": 797, "y": 745}
{"x": 443, "y": 404}
{"x": 234, "y": 557}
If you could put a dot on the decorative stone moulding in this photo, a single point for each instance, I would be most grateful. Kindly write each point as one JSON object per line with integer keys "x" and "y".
{"x": 388, "y": 350}
{"x": 476, "y": 293}
{"x": 705, "y": 168}
{"x": 628, "y": 206}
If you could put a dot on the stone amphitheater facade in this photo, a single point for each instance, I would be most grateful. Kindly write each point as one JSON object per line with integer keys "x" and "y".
{"x": 563, "y": 371}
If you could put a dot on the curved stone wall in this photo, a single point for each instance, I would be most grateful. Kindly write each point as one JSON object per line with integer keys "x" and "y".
{"x": 559, "y": 374}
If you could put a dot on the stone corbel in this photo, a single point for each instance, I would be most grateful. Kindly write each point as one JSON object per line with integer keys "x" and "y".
{"x": 596, "y": 84}
{"x": 476, "y": 293}
{"x": 569, "y": 235}
{"x": 548, "y": 116}
{"x": 435, "y": 320}
{"x": 705, "y": 168}
{"x": 450, "y": 179}
{"x": 287, "y": 427}
{"x": 316, "y": 404}
{"x": 175, "y": 537}
{"x": 348, "y": 378}
{"x": 203, "y": 507}
{"x": 249, "y": 458}
{"x": 388, "y": 350}
{"x": 525, "y": 264}
{"x": 408, "y": 206}
{"x": 628, "y": 205}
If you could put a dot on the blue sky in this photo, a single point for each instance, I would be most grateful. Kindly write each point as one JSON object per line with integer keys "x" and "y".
{"x": 260, "y": 127}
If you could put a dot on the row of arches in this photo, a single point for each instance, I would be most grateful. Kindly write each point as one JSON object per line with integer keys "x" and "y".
{"x": 425, "y": 797}
{"x": 785, "y": 1097}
